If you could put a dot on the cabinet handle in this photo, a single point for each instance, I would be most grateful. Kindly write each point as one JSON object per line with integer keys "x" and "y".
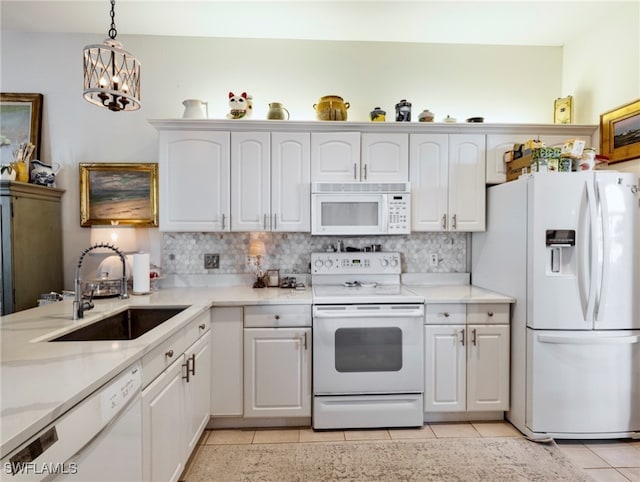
{"x": 223, "y": 220}
{"x": 193, "y": 364}
{"x": 169, "y": 354}
{"x": 446, "y": 314}
{"x": 490, "y": 313}
{"x": 444, "y": 221}
{"x": 186, "y": 375}
{"x": 305, "y": 340}
{"x": 473, "y": 338}
{"x": 355, "y": 173}
{"x": 462, "y": 339}
{"x": 202, "y": 326}
{"x": 455, "y": 222}
{"x": 264, "y": 221}
{"x": 275, "y": 224}
{"x": 365, "y": 172}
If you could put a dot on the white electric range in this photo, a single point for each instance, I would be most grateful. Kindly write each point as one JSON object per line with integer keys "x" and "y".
{"x": 367, "y": 343}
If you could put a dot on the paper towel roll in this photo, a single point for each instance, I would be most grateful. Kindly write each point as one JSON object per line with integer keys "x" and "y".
{"x": 141, "y": 284}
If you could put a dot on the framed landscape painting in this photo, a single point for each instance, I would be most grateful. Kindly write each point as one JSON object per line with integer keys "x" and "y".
{"x": 119, "y": 193}
{"x": 20, "y": 122}
{"x": 620, "y": 133}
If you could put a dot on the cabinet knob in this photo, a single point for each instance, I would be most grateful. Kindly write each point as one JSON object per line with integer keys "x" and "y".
{"x": 277, "y": 317}
{"x": 169, "y": 353}
{"x": 490, "y": 313}
{"x": 202, "y": 326}
{"x": 446, "y": 314}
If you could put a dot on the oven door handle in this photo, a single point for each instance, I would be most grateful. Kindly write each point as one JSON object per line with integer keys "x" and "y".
{"x": 409, "y": 311}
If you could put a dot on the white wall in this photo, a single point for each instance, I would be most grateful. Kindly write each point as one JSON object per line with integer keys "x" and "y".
{"x": 601, "y": 69}
{"x": 457, "y": 80}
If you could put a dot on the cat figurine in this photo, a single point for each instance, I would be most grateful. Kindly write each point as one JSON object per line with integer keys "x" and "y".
{"x": 241, "y": 106}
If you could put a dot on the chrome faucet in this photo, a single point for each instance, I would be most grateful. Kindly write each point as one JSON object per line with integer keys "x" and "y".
{"x": 79, "y": 305}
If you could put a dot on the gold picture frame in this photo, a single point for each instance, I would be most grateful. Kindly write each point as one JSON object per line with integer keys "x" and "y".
{"x": 20, "y": 121}
{"x": 620, "y": 133}
{"x": 563, "y": 110}
{"x": 121, "y": 193}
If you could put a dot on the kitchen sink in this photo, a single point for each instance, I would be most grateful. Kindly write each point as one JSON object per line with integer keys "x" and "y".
{"x": 126, "y": 325}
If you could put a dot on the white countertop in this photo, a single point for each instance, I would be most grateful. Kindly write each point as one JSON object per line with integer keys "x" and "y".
{"x": 39, "y": 381}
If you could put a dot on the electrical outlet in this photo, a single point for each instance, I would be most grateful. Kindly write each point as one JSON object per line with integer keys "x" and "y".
{"x": 211, "y": 261}
{"x": 433, "y": 260}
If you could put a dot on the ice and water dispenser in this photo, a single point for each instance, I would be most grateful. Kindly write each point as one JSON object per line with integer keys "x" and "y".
{"x": 561, "y": 246}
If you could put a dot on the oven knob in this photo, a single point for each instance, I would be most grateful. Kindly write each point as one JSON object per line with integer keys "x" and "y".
{"x": 318, "y": 263}
{"x": 328, "y": 263}
{"x": 394, "y": 262}
{"x": 384, "y": 262}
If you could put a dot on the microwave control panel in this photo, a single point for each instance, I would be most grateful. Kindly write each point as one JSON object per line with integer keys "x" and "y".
{"x": 399, "y": 214}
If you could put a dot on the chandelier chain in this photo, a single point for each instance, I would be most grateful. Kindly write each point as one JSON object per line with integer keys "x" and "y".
{"x": 112, "y": 31}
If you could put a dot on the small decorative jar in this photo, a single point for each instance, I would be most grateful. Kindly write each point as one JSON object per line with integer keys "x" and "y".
{"x": 426, "y": 116}
{"x": 403, "y": 111}
{"x": 377, "y": 115}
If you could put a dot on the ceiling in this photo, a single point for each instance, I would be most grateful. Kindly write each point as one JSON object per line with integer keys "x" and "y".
{"x": 538, "y": 23}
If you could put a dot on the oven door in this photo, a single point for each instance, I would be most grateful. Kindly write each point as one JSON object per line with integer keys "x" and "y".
{"x": 368, "y": 349}
{"x": 355, "y": 214}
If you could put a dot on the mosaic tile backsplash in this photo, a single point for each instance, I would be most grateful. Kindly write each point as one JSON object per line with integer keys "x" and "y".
{"x": 183, "y": 253}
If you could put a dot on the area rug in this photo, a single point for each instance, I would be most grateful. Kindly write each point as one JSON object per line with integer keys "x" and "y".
{"x": 486, "y": 459}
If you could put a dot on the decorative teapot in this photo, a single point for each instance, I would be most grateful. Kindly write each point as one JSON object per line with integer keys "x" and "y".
{"x": 193, "y": 109}
{"x": 44, "y": 174}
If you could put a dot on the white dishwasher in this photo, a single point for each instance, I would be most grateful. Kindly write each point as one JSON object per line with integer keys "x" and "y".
{"x": 100, "y": 439}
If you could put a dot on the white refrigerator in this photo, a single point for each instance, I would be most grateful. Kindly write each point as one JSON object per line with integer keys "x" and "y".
{"x": 566, "y": 246}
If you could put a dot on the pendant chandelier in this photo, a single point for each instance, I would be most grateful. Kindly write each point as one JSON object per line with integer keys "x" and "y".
{"x": 111, "y": 74}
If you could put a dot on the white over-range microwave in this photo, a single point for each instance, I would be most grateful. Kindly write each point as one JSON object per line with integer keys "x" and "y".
{"x": 360, "y": 208}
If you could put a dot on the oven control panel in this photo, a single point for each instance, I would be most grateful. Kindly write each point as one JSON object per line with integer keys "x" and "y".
{"x": 355, "y": 262}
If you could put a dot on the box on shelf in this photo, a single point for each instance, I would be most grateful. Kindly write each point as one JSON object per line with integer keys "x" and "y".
{"x": 517, "y": 167}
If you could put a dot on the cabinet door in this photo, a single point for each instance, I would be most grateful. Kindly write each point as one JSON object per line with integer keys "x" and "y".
{"x": 194, "y": 180}
{"x": 488, "y": 367}
{"x": 466, "y": 182}
{"x": 197, "y": 392}
{"x": 445, "y": 368}
{"x": 226, "y": 361}
{"x": 385, "y": 157}
{"x": 335, "y": 156}
{"x": 250, "y": 181}
{"x": 429, "y": 175}
{"x": 162, "y": 425}
{"x": 291, "y": 181}
{"x": 277, "y": 372}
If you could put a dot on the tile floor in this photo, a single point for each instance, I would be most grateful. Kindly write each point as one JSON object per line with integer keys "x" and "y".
{"x": 604, "y": 461}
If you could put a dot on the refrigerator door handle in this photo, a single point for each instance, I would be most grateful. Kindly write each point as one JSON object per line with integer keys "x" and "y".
{"x": 589, "y": 252}
{"x": 602, "y": 340}
{"x": 602, "y": 247}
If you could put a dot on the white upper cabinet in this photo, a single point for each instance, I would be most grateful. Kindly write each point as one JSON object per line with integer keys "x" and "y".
{"x": 385, "y": 157}
{"x": 250, "y": 181}
{"x": 351, "y": 156}
{"x": 447, "y": 182}
{"x": 270, "y": 181}
{"x": 194, "y": 180}
{"x": 335, "y": 156}
{"x": 291, "y": 181}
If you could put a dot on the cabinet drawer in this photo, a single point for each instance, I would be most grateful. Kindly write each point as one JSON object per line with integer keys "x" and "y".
{"x": 154, "y": 362}
{"x": 197, "y": 327}
{"x": 445, "y": 314}
{"x": 488, "y": 314}
{"x": 277, "y": 315}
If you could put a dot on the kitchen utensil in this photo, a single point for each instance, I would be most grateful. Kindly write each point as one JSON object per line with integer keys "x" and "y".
{"x": 331, "y": 108}
{"x": 277, "y": 112}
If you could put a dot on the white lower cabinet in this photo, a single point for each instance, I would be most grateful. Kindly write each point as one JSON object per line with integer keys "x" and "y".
{"x": 227, "y": 361}
{"x": 175, "y": 405}
{"x": 277, "y": 372}
{"x": 467, "y": 365}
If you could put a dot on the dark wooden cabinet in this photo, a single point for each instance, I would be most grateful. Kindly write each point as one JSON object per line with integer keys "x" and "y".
{"x": 31, "y": 253}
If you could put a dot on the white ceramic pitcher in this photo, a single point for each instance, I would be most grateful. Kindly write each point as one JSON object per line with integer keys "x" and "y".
{"x": 193, "y": 109}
